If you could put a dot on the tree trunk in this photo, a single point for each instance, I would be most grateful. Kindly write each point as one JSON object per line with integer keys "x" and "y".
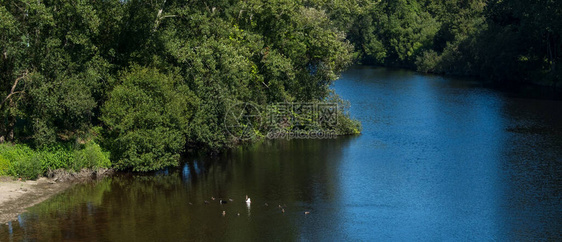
{"x": 7, "y": 128}
{"x": 13, "y": 90}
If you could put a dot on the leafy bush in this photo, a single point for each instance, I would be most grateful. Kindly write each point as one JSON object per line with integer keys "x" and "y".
{"x": 22, "y": 161}
{"x": 345, "y": 125}
{"x": 4, "y": 166}
{"x": 56, "y": 157}
{"x": 92, "y": 156}
{"x": 28, "y": 167}
{"x": 428, "y": 62}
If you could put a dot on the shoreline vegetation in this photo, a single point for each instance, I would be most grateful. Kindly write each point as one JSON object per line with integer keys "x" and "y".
{"x": 21, "y": 161}
{"x": 138, "y": 83}
{"x": 131, "y": 85}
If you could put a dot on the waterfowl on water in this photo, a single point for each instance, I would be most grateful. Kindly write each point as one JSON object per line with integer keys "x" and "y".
{"x": 283, "y": 210}
{"x": 207, "y": 202}
{"x": 223, "y": 213}
{"x": 248, "y": 200}
{"x": 213, "y": 198}
{"x": 222, "y": 201}
{"x": 307, "y": 212}
{"x": 266, "y": 204}
{"x": 230, "y": 199}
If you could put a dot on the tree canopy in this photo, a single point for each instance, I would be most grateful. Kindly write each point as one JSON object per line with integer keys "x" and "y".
{"x": 505, "y": 41}
{"x": 147, "y": 79}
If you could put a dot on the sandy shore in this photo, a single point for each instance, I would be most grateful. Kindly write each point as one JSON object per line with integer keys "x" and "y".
{"x": 16, "y": 196}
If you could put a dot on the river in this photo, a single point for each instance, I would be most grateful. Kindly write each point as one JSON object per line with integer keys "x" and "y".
{"x": 439, "y": 158}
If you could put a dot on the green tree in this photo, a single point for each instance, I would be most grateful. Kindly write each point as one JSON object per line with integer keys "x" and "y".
{"x": 147, "y": 116}
{"x": 157, "y": 76}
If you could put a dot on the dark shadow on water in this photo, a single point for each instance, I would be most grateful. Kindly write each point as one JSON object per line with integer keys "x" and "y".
{"x": 170, "y": 205}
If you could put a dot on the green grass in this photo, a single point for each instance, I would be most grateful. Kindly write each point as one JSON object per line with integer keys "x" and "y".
{"x": 21, "y": 161}
{"x": 4, "y": 166}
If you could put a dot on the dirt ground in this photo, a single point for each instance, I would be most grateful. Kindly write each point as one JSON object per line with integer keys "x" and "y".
{"x": 16, "y": 196}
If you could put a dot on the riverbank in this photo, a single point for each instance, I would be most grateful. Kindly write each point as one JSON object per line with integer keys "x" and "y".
{"x": 542, "y": 84}
{"x": 17, "y": 195}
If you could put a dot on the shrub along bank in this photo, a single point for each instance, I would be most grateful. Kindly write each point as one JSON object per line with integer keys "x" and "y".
{"x": 24, "y": 162}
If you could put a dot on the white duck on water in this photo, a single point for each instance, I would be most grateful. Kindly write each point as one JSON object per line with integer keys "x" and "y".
{"x": 248, "y": 200}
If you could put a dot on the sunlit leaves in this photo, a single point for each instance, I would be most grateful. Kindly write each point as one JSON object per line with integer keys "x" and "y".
{"x": 159, "y": 75}
{"x": 148, "y": 115}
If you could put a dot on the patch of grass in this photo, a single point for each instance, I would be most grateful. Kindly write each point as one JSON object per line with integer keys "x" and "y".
{"x": 22, "y": 161}
{"x": 4, "y": 166}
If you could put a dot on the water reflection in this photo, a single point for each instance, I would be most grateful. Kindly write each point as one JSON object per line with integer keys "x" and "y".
{"x": 169, "y": 205}
{"x": 439, "y": 159}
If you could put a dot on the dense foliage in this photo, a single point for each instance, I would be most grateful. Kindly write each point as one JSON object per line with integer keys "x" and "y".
{"x": 506, "y": 41}
{"x": 146, "y": 79}
{"x": 24, "y": 162}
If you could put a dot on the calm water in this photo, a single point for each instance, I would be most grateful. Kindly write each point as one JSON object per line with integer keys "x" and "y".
{"x": 439, "y": 159}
